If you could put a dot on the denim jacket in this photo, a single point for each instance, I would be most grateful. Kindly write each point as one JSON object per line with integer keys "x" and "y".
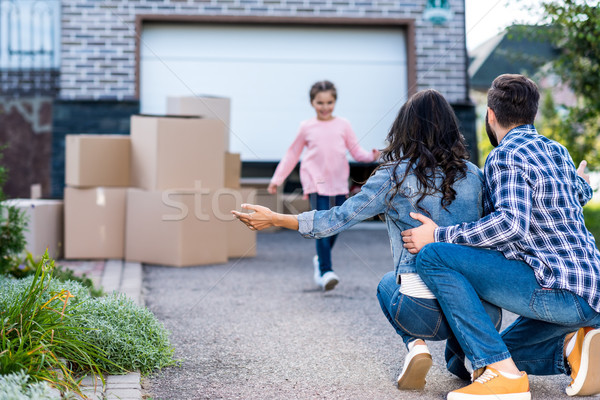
{"x": 372, "y": 200}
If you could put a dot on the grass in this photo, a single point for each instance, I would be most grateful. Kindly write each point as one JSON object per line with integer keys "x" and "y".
{"x": 591, "y": 213}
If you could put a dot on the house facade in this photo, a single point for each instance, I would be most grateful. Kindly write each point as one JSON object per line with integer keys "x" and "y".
{"x": 119, "y": 58}
{"x": 100, "y": 43}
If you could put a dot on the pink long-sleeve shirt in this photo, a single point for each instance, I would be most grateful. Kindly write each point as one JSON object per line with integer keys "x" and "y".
{"x": 324, "y": 168}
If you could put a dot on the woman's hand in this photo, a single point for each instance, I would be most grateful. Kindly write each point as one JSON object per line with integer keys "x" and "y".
{"x": 272, "y": 188}
{"x": 263, "y": 218}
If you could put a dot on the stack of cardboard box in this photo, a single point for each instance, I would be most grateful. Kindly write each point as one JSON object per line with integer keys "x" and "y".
{"x": 241, "y": 241}
{"x": 96, "y": 176}
{"x": 174, "y": 209}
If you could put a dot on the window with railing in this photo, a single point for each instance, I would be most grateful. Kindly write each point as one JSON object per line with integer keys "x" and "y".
{"x": 29, "y": 46}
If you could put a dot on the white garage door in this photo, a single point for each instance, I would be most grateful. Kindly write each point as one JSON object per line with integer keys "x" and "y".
{"x": 267, "y": 72}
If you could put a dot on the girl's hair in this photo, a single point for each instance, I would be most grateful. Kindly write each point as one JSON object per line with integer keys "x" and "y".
{"x": 322, "y": 86}
{"x": 425, "y": 135}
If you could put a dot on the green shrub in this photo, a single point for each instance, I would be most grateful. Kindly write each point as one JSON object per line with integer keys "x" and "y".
{"x": 114, "y": 334}
{"x": 12, "y": 235}
{"x": 39, "y": 336}
{"x": 130, "y": 335}
{"x": 17, "y": 386}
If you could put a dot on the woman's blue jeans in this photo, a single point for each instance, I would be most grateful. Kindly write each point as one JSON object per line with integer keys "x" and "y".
{"x": 415, "y": 318}
{"x": 324, "y": 246}
{"x": 460, "y": 276}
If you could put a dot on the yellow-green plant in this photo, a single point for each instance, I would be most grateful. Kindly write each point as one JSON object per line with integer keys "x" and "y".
{"x": 53, "y": 328}
{"x": 39, "y": 337}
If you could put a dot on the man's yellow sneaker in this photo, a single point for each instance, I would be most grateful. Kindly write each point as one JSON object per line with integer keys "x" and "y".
{"x": 492, "y": 385}
{"x": 477, "y": 373}
{"x": 584, "y": 361}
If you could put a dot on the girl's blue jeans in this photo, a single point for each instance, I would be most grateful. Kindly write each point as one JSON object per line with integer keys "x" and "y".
{"x": 415, "y": 318}
{"x": 460, "y": 276}
{"x": 324, "y": 246}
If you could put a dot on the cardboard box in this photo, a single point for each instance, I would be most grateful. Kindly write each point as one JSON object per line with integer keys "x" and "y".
{"x": 241, "y": 241}
{"x": 95, "y": 223}
{"x": 294, "y": 203}
{"x": 44, "y": 225}
{"x": 176, "y": 227}
{"x": 203, "y": 106}
{"x": 263, "y": 197}
{"x": 35, "y": 191}
{"x": 174, "y": 152}
{"x": 233, "y": 170}
{"x": 97, "y": 160}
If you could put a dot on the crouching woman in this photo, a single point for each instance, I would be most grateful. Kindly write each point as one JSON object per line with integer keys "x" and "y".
{"x": 423, "y": 169}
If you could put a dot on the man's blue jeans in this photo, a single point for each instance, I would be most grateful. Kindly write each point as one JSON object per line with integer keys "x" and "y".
{"x": 415, "y": 318}
{"x": 460, "y": 276}
{"x": 324, "y": 246}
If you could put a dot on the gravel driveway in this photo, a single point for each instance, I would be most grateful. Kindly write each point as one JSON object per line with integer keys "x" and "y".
{"x": 259, "y": 329}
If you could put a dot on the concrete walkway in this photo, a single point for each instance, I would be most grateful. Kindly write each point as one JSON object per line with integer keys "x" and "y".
{"x": 112, "y": 276}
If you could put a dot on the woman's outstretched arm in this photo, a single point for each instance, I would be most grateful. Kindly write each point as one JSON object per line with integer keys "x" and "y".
{"x": 263, "y": 218}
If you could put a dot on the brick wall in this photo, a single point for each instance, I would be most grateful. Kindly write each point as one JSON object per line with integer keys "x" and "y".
{"x": 25, "y": 130}
{"x": 98, "y": 38}
{"x": 29, "y": 82}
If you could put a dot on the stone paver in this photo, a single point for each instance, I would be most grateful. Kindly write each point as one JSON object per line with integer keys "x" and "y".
{"x": 121, "y": 393}
{"x": 128, "y": 379}
{"x": 92, "y": 269}
{"x": 131, "y": 281}
{"x": 111, "y": 277}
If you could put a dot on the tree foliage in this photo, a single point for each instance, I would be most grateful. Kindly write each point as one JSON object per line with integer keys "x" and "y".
{"x": 575, "y": 30}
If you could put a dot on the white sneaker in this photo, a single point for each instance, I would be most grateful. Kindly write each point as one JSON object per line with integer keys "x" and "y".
{"x": 328, "y": 280}
{"x": 317, "y": 273}
{"x": 416, "y": 366}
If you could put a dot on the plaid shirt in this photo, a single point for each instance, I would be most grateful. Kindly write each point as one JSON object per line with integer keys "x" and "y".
{"x": 533, "y": 205}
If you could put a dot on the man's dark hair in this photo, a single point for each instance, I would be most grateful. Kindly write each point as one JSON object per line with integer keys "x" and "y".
{"x": 514, "y": 99}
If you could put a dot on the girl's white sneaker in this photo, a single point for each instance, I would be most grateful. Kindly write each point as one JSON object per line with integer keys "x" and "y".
{"x": 317, "y": 270}
{"x": 329, "y": 280}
